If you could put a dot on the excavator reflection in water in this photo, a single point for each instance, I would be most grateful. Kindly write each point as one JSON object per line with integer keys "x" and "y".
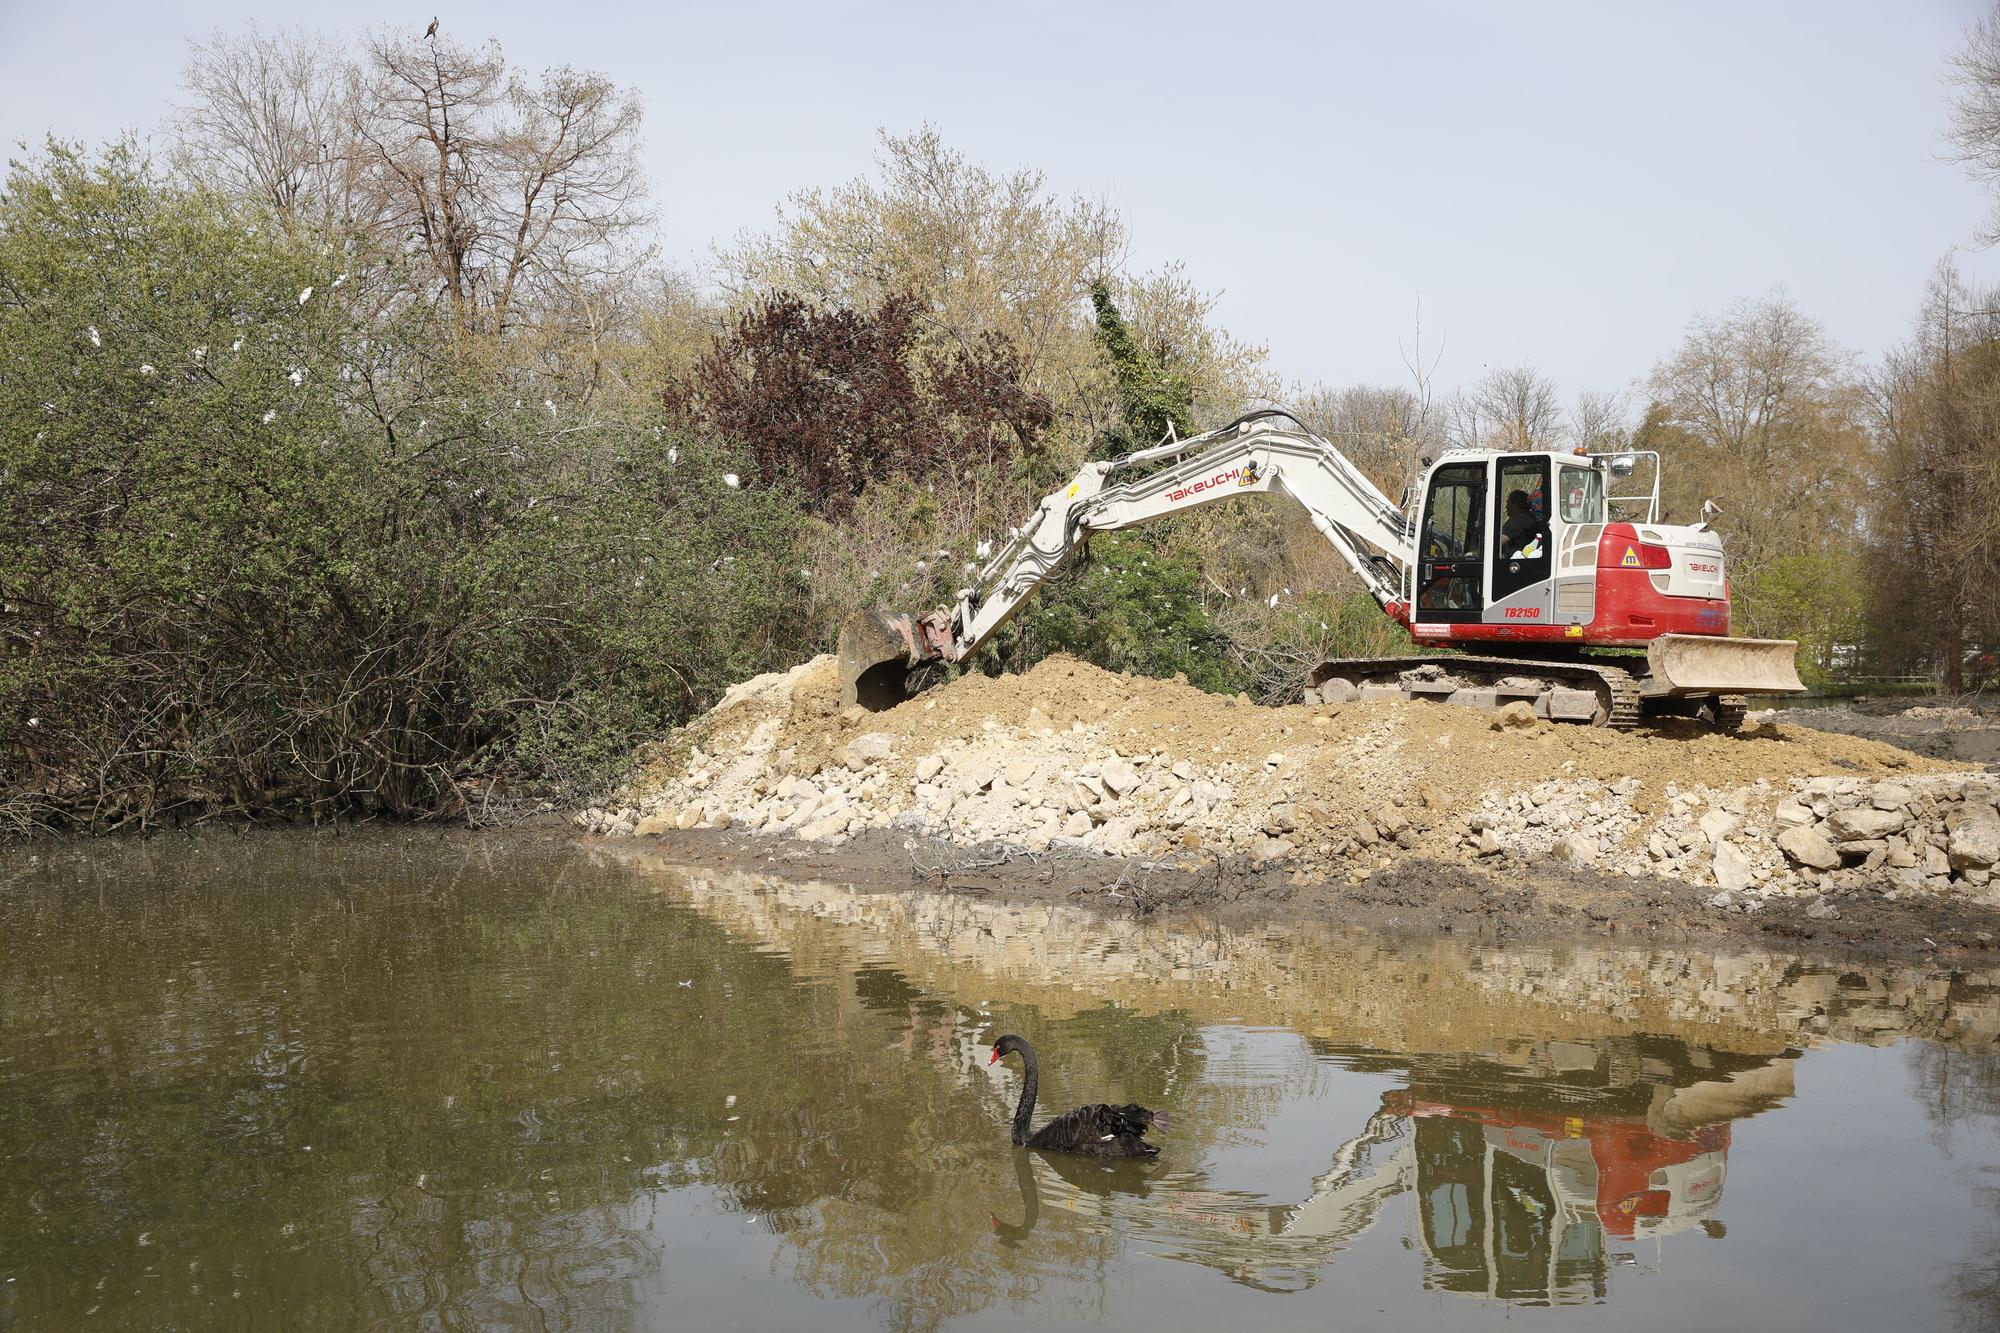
{"x": 1529, "y": 1178}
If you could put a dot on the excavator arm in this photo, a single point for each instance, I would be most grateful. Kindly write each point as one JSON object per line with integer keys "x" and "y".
{"x": 1252, "y": 455}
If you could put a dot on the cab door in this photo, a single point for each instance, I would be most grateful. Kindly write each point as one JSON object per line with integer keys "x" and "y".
{"x": 1451, "y": 550}
{"x": 1523, "y": 542}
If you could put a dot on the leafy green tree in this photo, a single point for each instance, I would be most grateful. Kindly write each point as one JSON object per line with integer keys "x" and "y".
{"x": 1821, "y": 599}
{"x": 275, "y": 539}
{"x": 1129, "y": 606}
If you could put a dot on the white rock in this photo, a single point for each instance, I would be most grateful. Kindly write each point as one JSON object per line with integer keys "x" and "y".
{"x": 1808, "y": 848}
{"x": 1890, "y": 796}
{"x": 870, "y": 747}
{"x": 1863, "y": 823}
{"x": 1271, "y": 849}
{"x": 1793, "y": 815}
{"x": 1975, "y": 840}
{"x": 1717, "y": 825}
{"x": 929, "y": 767}
{"x": 1578, "y": 850}
{"x": 1732, "y": 868}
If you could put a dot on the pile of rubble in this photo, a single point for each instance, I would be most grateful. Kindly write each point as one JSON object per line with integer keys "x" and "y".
{"x": 1068, "y": 756}
{"x": 1935, "y": 834}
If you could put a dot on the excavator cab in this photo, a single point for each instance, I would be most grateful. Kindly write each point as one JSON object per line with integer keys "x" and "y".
{"x": 1491, "y": 530}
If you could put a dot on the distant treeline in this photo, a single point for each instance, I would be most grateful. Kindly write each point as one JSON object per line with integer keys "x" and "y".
{"x": 358, "y": 455}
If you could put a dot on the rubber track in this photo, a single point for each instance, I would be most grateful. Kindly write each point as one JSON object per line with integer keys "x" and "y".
{"x": 1730, "y": 710}
{"x": 1624, "y": 690}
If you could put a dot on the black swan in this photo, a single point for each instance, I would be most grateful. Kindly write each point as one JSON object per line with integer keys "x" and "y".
{"x": 1092, "y": 1131}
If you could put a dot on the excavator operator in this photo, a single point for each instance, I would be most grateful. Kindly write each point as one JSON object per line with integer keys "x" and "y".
{"x": 1523, "y": 534}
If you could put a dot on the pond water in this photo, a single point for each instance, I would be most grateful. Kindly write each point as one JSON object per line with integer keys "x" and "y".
{"x": 440, "y": 1081}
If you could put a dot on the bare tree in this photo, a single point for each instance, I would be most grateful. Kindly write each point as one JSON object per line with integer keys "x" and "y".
{"x": 1974, "y": 78}
{"x": 513, "y": 189}
{"x": 1760, "y": 411}
{"x": 273, "y": 116}
{"x": 1385, "y": 431}
{"x": 1601, "y": 421}
{"x": 521, "y": 195}
{"x": 1516, "y": 407}
{"x": 1934, "y": 537}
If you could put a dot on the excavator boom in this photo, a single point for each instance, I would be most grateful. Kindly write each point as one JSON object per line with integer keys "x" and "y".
{"x": 1250, "y": 456}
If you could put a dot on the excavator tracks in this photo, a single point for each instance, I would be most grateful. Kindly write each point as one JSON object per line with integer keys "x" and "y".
{"x": 1589, "y": 693}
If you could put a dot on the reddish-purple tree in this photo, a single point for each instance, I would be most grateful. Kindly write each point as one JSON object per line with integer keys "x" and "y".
{"x": 828, "y": 400}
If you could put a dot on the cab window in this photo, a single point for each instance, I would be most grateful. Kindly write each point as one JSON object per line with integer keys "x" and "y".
{"x": 1449, "y": 584}
{"x": 1582, "y": 495}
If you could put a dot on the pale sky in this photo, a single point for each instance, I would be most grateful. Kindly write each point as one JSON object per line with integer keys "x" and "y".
{"x": 1562, "y": 184}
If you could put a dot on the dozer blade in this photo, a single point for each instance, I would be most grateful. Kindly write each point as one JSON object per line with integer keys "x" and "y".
{"x": 876, "y": 654}
{"x": 1704, "y": 664}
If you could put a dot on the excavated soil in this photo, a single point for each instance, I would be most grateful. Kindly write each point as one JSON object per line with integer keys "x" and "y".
{"x": 1075, "y": 781}
{"x": 1349, "y": 755}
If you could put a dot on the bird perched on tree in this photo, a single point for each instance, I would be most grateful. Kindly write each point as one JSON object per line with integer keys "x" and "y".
{"x": 431, "y": 31}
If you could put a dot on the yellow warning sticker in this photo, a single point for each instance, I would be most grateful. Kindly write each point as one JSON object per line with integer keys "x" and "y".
{"x": 1073, "y": 489}
{"x": 1631, "y": 560}
{"x": 1573, "y": 1127}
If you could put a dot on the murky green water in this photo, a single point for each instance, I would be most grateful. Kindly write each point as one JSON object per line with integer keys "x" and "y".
{"x": 434, "y": 1082}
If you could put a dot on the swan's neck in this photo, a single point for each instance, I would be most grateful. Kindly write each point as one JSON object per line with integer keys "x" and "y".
{"x": 1027, "y": 1106}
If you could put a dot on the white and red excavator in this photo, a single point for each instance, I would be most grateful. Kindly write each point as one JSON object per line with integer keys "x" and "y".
{"x": 1555, "y": 591}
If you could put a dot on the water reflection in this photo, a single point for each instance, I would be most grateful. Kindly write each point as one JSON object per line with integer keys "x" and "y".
{"x": 1521, "y": 1190}
{"x": 427, "y": 1082}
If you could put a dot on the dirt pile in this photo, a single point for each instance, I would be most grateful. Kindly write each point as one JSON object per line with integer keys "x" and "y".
{"x": 1068, "y": 755}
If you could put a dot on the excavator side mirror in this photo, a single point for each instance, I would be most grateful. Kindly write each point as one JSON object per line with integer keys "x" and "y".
{"x": 1624, "y": 465}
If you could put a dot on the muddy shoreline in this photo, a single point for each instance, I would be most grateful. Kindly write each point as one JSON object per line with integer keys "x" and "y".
{"x": 1414, "y": 897}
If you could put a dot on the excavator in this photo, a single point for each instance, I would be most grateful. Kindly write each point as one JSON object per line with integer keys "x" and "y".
{"x": 1554, "y": 590}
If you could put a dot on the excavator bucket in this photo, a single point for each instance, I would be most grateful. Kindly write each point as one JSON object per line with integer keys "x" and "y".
{"x": 1705, "y": 664}
{"x": 876, "y": 652}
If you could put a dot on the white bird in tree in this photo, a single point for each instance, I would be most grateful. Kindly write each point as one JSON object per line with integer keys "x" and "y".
{"x": 731, "y": 480}
{"x": 431, "y": 32}
{"x": 95, "y": 341}
{"x": 305, "y": 296}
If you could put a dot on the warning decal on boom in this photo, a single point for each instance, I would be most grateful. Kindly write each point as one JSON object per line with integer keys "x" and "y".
{"x": 1631, "y": 560}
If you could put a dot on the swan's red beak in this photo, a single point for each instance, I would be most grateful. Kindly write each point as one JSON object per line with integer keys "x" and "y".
{"x": 995, "y": 1056}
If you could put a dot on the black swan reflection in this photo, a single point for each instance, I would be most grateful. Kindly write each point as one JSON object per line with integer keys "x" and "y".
{"x": 1091, "y": 1131}
{"x": 1031, "y": 1203}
